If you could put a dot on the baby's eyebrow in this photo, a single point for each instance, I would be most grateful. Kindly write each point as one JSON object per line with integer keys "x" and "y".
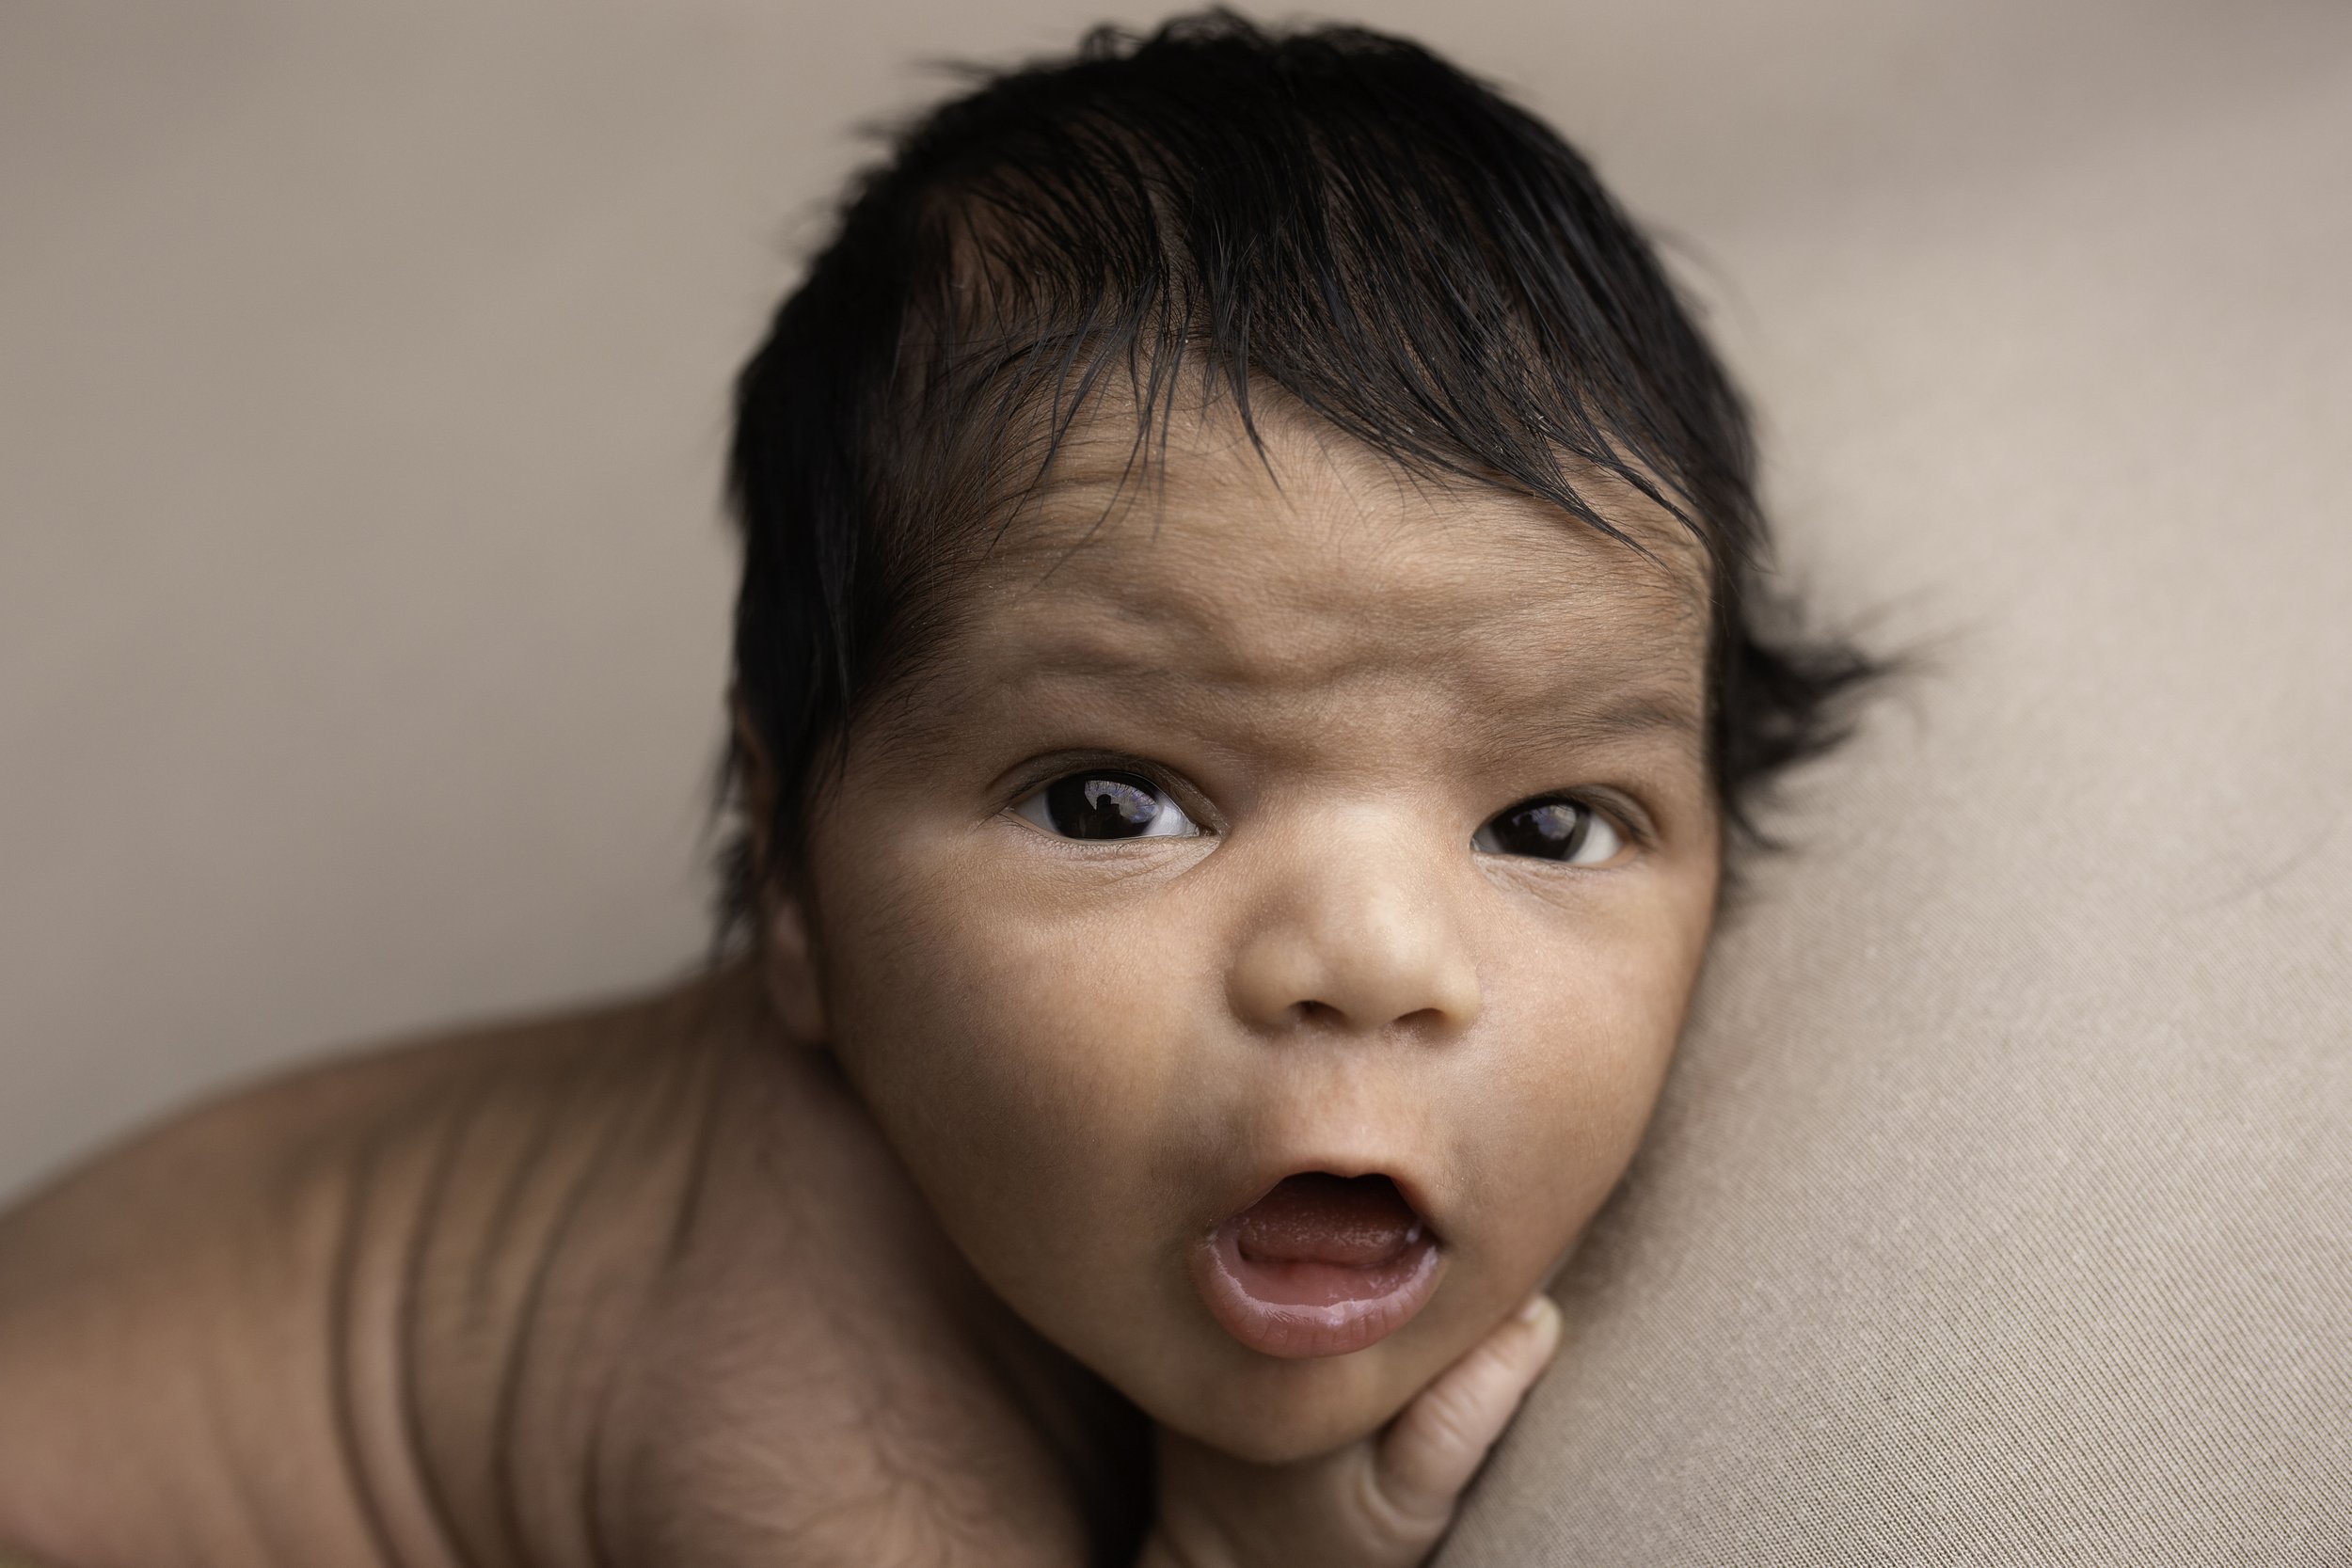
{"x": 1574, "y": 718}
{"x": 1583, "y": 723}
{"x": 1638, "y": 713}
{"x": 1098, "y": 661}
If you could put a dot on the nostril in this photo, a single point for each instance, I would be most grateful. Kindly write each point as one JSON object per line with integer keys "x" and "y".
{"x": 1421, "y": 1020}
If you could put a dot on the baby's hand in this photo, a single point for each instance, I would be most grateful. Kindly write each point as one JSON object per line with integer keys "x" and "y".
{"x": 1382, "y": 1502}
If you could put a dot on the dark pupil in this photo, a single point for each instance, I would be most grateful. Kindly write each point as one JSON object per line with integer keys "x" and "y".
{"x": 1552, "y": 829}
{"x": 1103, "y": 805}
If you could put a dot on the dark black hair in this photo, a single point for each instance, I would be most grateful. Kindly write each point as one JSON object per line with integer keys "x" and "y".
{"x": 1339, "y": 213}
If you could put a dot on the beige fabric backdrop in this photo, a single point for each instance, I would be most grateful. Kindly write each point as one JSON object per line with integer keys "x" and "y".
{"x": 363, "y": 612}
{"x": 2000, "y": 1210}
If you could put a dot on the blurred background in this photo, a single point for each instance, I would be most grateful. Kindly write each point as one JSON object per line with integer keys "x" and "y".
{"x": 363, "y": 383}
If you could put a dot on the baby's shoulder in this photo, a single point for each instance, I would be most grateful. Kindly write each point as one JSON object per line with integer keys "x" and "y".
{"x": 653, "y": 1240}
{"x": 214, "y": 1296}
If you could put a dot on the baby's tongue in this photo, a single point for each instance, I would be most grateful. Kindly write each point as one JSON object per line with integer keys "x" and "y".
{"x": 1318, "y": 1218}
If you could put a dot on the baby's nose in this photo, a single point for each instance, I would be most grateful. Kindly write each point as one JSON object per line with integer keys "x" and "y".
{"x": 1365, "y": 941}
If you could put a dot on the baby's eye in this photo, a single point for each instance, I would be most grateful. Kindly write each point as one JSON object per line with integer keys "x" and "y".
{"x": 1553, "y": 830}
{"x": 1107, "y": 803}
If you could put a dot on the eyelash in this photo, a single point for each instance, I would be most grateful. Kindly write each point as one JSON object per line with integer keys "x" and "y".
{"x": 1053, "y": 770}
{"x": 1627, "y": 821}
{"x": 1622, "y": 814}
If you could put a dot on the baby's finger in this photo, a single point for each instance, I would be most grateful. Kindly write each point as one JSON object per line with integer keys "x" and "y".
{"x": 1431, "y": 1450}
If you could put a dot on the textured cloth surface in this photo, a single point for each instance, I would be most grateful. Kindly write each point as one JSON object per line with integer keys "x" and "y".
{"x": 2000, "y": 1209}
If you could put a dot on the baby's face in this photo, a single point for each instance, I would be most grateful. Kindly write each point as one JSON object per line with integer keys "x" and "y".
{"x": 1276, "y": 830}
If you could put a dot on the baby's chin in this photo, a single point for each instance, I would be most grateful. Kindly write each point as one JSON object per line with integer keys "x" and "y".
{"x": 1274, "y": 1411}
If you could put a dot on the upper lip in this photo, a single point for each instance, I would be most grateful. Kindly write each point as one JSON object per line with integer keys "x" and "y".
{"x": 1266, "y": 1175}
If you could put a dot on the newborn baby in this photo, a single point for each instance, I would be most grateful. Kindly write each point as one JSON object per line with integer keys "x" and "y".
{"x": 1248, "y": 659}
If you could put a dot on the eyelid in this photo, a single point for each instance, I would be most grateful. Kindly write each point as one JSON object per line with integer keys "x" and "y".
{"x": 1633, "y": 824}
{"x": 1039, "y": 772}
{"x": 1627, "y": 816}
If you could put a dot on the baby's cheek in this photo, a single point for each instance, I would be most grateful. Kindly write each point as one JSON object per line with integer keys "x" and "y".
{"x": 1021, "y": 1063}
{"x": 1565, "y": 1099}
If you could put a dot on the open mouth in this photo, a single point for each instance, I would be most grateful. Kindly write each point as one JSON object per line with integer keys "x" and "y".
{"x": 1320, "y": 1265}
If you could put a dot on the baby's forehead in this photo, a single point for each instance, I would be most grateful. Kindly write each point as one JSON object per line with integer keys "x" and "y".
{"x": 1311, "y": 553}
{"x": 1320, "y": 603}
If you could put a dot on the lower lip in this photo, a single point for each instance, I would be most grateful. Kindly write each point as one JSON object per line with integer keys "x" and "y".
{"x": 1297, "y": 1309}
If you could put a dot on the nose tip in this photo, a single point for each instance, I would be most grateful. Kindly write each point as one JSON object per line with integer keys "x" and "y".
{"x": 1371, "y": 965}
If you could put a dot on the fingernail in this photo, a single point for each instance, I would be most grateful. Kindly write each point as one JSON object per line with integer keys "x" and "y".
{"x": 1543, "y": 1315}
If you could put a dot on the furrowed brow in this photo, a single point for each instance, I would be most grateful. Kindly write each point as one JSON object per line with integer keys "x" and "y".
{"x": 1626, "y": 716}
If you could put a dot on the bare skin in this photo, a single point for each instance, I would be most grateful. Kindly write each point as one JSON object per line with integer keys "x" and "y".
{"x": 839, "y": 1255}
{"x": 1338, "y": 684}
{"x": 538, "y": 1296}
{"x": 544, "y": 1296}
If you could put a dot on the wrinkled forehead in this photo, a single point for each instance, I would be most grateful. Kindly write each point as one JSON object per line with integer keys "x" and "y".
{"x": 1310, "y": 548}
